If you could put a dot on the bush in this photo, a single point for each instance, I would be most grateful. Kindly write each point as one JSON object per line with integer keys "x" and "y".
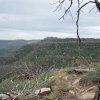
{"x": 6, "y": 86}
{"x": 52, "y": 96}
{"x": 62, "y": 86}
{"x": 91, "y": 77}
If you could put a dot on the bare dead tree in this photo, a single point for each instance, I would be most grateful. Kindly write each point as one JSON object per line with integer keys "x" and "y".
{"x": 80, "y": 5}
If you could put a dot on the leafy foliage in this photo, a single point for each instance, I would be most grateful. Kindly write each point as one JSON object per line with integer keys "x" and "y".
{"x": 91, "y": 77}
{"x": 57, "y": 52}
{"x": 52, "y": 96}
{"x": 49, "y": 53}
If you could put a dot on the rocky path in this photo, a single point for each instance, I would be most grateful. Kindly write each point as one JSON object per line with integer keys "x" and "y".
{"x": 80, "y": 92}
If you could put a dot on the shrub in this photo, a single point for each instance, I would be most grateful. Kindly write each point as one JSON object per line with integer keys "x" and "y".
{"x": 6, "y": 86}
{"x": 52, "y": 96}
{"x": 62, "y": 86}
{"x": 91, "y": 77}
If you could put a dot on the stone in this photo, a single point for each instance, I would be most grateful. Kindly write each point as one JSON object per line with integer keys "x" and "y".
{"x": 87, "y": 96}
{"x": 72, "y": 92}
{"x": 43, "y": 91}
{"x": 76, "y": 81}
{"x": 65, "y": 78}
{"x": 12, "y": 95}
{"x": 5, "y": 97}
{"x": 83, "y": 70}
{"x": 52, "y": 77}
{"x": 92, "y": 88}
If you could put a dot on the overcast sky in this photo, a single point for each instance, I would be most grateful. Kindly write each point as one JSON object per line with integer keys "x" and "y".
{"x": 35, "y": 19}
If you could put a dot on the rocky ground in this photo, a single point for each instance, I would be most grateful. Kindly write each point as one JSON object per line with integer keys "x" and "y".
{"x": 76, "y": 91}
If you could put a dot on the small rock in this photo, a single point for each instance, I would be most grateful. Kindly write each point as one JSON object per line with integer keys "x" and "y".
{"x": 43, "y": 91}
{"x": 83, "y": 70}
{"x": 76, "y": 81}
{"x": 12, "y": 95}
{"x": 65, "y": 78}
{"x": 52, "y": 77}
{"x": 72, "y": 92}
{"x": 87, "y": 96}
{"x": 5, "y": 97}
{"x": 91, "y": 88}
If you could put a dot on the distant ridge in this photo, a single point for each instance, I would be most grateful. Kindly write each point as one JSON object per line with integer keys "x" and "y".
{"x": 9, "y": 46}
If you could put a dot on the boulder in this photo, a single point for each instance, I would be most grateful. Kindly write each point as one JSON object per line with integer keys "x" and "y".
{"x": 43, "y": 91}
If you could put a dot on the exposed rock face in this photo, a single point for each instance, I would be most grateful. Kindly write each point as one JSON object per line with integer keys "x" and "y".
{"x": 43, "y": 91}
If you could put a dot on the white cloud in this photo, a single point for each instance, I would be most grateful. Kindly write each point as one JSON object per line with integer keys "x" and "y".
{"x": 19, "y": 34}
{"x": 91, "y": 29}
{"x": 12, "y": 17}
{"x": 33, "y": 19}
{"x": 85, "y": 32}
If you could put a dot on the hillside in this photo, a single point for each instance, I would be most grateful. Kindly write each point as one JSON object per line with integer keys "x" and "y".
{"x": 9, "y": 46}
{"x": 51, "y": 53}
{"x": 56, "y": 52}
{"x": 34, "y": 65}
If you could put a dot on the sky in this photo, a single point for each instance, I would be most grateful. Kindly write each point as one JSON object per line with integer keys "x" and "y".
{"x": 36, "y": 19}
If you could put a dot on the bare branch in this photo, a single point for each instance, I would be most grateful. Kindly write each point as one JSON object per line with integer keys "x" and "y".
{"x": 92, "y": 9}
{"x": 59, "y": 6}
{"x": 67, "y": 10}
{"x": 71, "y": 15}
{"x": 78, "y": 3}
{"x": 78, "y": 16}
